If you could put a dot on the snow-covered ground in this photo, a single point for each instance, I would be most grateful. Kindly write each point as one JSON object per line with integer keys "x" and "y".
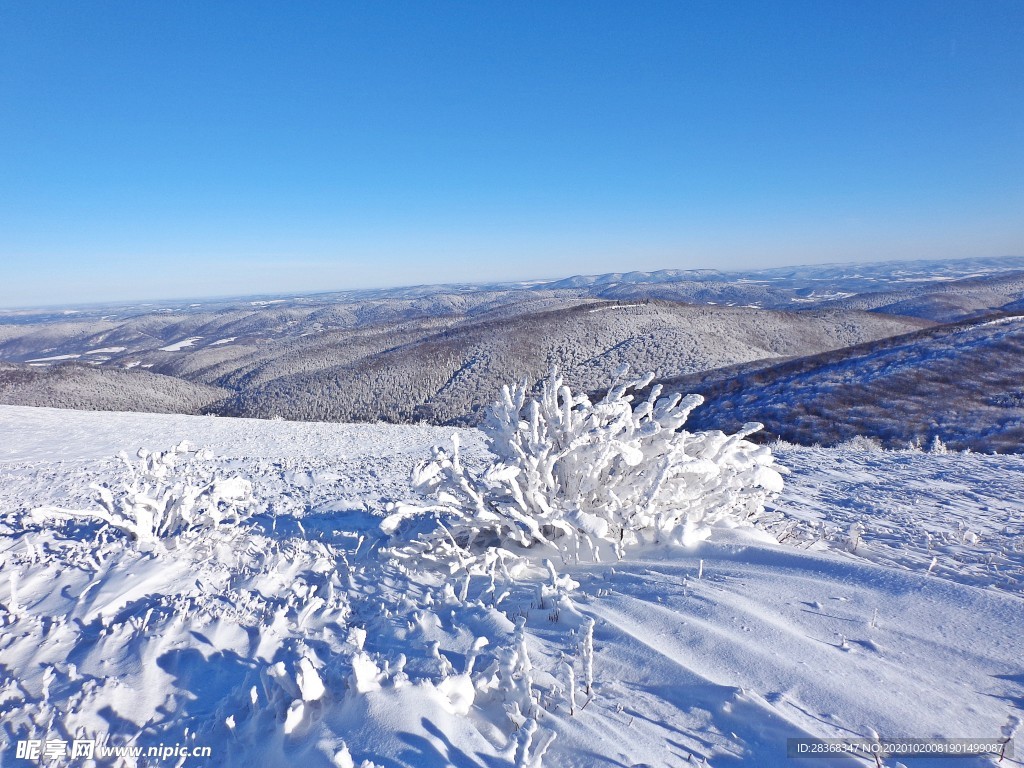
{"x": 894, "y": 605}
{"x": 180, "y": 345}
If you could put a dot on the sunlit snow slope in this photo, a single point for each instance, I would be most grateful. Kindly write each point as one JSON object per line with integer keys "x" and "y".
{"x": 894, "y": 605}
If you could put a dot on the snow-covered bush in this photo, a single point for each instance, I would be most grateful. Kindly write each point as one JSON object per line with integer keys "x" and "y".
{"x": 169, "y": 493}
{"x": 570, "y": 474}
{"x": 862, "y": 443}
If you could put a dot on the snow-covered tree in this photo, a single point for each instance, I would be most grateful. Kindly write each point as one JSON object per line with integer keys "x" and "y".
{"x": 168, "y": 493}
{"x": 569, "y": 474}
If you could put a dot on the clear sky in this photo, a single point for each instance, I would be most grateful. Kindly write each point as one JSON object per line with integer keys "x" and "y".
{"x": 165, "y": 149}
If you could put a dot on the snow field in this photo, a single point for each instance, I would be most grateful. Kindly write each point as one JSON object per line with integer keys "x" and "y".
{"x": 299, "y": 641}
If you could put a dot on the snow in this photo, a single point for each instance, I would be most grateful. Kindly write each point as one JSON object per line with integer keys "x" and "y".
{"x": 223, "y": 341}
{"x": 1003, "y": 320}
{"x": 180, "y": 345}
{"x": 54, "y": 358}
{"x": 771, "y": 643}
{"x": 95, "y": 435}
{"x": 961, "y": 509}
{"x": 106, "y": 351}
{"x": 295, "y": 639}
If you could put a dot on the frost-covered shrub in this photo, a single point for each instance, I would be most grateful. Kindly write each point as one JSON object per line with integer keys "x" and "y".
{"x": 169, "y": 493}
{"x": 570, "y": 473}
{"x": 861, "y": 443}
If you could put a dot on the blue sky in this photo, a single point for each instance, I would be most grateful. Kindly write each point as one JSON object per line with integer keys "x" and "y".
{"x": 152, "y": 150}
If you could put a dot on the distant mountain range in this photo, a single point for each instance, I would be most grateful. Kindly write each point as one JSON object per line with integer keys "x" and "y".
{"x": 440, "y": 353}
{"x": 448, "y": 376}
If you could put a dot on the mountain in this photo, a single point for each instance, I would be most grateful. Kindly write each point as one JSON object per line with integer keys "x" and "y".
{"x": 100, "y": 389}
{"x": 450, "y": 375}
{"x": 944, "y": 302}
{"x": 961, "y": 383}
{"x": 438, "y": 352}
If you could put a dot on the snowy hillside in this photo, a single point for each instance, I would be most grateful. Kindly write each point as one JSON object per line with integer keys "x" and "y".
{"x": 894, "y": 607}
{"x": 959, "y": 382}
{"x": 367, "y": 363}
{"x": 109, "y": 389}
{"x": 436, "y": 352}
{"x": 944, "y": 301}
{"x": 450, "y": 375}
